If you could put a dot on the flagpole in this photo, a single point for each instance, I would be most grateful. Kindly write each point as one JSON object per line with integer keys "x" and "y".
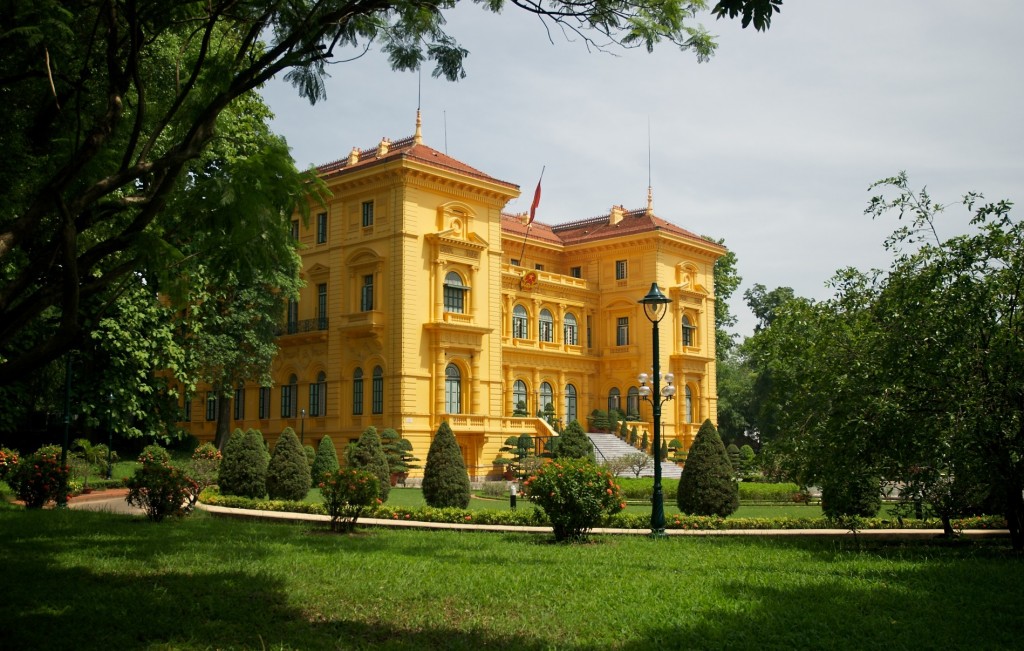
{"x": 533, "y": 211}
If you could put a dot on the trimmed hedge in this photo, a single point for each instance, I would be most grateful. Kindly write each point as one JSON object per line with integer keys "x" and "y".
{"x": 534, "y": 517}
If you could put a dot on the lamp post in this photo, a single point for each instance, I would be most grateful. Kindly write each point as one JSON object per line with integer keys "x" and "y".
{"x": 655, "y": 308}
{"x": 302, "y": 436}
{"x": 110, "y": 438}
{"x": 62, "y": 497}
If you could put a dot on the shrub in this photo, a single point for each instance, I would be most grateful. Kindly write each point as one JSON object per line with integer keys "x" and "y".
{"x": 368, "y": 454}
{"x": 310, "y": 453}
{"x": 154, "y": 453}
{"x": 288, "y": 470}
{"x": 733, "y": 453}
{"x": 244, "y": 468}
{"x": 445, "y": 480}
{"x": 706, "y": 486}
{"x": 573, "y": 443}
{"x": 643, "y": 441}
{"x": 599, "y": 420}
{"x": 39, "y": 478}
{"x": 576, "y": 495}
{"x": 204, "y": 465}
{"x": 162, "y": 490}
{"x": 326, "y": 459}
{"x": 623, "y": 431}
{"x": 851, "y": 496}
{"x": 748, "y": 460}
{"x": 8, "y": 461}
{"x": 347, "y": 492}
{"x": 633, "y": 436}
{"x": 758, "y": 492}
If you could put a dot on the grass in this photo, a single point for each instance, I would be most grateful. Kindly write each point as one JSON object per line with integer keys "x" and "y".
{"x": 100, "y": 581}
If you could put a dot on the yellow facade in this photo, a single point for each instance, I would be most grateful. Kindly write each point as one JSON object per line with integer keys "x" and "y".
{"x": 412, "y": 313}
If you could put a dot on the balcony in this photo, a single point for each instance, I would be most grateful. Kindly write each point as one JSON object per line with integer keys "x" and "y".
{"x": 304, "y": 331}
{"x": 363, "y": 324}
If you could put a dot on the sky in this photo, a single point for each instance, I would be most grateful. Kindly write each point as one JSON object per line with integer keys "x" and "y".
{"x": 772, "y": 145}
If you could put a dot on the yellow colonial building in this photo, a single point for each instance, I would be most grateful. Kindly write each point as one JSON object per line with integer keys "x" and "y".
{"x": 422, "y": 304}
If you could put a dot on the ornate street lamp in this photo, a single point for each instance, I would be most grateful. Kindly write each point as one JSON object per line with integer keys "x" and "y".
{"x": 655, "y": 308}
{"x": 302, "y": 436}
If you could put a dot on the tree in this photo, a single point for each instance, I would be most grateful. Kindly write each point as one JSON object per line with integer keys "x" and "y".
{"x": 94, "y": 456}
{"x": 118, "y": 100}
{"x": 727, "y": 281}
{"x": 368, "y": 454}
{"x": 445, "y": 480}
{"x": 244, "y": 468}
{"x": 706, "y": 485}
{"x": 636, "y": 462}
{"x": 326, "y": 460}
{"x": 288, "y": 470}
{"x": 573, "y": 443}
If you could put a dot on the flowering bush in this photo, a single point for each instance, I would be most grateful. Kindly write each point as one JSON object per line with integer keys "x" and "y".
{"x": 39, "y": 478}
{"x": 154, "y": 453}
{"x": 576, "y": 495}
{"x": 8, "y": 460}
{"x": 347, "y": 492}
{"x": 162, "y": 490}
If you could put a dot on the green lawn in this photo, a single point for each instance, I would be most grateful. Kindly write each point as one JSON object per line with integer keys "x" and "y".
{"x": 83, "y": 580}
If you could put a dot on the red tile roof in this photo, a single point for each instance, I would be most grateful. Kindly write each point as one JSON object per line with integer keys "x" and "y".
{"x": 409, "y": 149}
{"x": 598, "y": 228}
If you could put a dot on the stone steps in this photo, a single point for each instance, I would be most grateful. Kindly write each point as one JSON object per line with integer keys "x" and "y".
{"x": 610, "y": 446}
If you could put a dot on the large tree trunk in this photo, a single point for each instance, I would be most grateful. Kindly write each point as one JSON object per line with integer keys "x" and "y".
{"x": 223, "y": 420}
{"x": 1015, "y": 516}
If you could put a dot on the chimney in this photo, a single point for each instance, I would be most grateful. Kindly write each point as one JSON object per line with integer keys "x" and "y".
{"x": 616, "y": 215}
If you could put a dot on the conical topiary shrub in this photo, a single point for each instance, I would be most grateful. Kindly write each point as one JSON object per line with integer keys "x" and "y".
{"x": 573, "y": 443}
{"x": 445, "y": 480}
{"x": 706, "y": 486}
{"x": 367, "y": 454}
{"x": 288, "y": 471}
{"x": 326, "y": 460}
{"x": 243, "y": 471}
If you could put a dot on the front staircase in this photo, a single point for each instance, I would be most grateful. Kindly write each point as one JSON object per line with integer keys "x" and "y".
{"x": 609, "y": 446}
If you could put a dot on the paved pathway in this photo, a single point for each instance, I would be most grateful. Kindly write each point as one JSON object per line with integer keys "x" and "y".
{"x": 109, "y": 501}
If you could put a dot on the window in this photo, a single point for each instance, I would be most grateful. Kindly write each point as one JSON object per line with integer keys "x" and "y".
{"x": 290, "y": 397}
{"x": 366, "y": 297}
{"x": 576, "y": 272}
{"x": 519, "y": 403}
{"x": 589, "y": 343}
{"x": 295, "y": 229}
{"x": 321, "y": 306}
{"x": 614, "y": 398}
{"x": 377, "y": 396}
{"x": 538, "y": 267}
{"x": 318, "y": 395}
{"x": 293, "y": 316}
{"x": 188, "y": 409}
{"x": 688, "y": 331}
{"x": 452, "y": 389}
{"x": 321, "y": 228}
{"x": 211, "y": 405}
{"x": 514, "y": 262}
{"x": 547, "y": 396}
{"x": 357, "y": 392}
{"x": 240, "y": 402}
{"x": 571, "y": 334}
{"x": 633, "y": 402}
{"x": 454, "y": 293}
{"x": 520, "y": 324}
{"x": 687, "y": 405}
{"x": 570, "y": 403}
{"x": 264, "y": 403}
{"x": 367, "y": 214}
{"x": 547, "y": 326}
{"x": 620, "y": 270}
{"x": 622, "y": 332}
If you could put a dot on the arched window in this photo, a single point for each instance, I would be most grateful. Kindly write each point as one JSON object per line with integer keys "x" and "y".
{"x": 377, "y": 396}
{"x": 547, "y": 326}
{"x": 687, "y": 405}
{"x": 520, "y": 323}
{"x": 519, "y": 399}
{"x": 453, "y": 389}
{"x": 318, "y": 395}
{"x": 290, "y": 397}
{"x": 454, "y": 293}
{"x": 547, "y": 396}
{"x": 613, "y": 398}
{"x": 570, "y": 403}
{"x": 633, "y": 402}
{"x": 689, "y": 330}
{"x": 572, "y": 334}
{"x": 357, "y": 392}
